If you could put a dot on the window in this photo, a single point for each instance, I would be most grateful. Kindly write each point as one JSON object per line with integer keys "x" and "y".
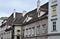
{"x": 54, "y": 26}
{"x": 18, "y": 37}
{"x": 23, "y": 33}
{"x": 29, "y": 31}
{"x": 54, "y": 11}
{"x": 38, "y": 30}
{"x": 33, "y": 31}
{"x": 1, "y": 37}
{"x": 26, "y": 33}
{"x": 18, "y": 30}
{"x": 44, "y": 28}
{"x": 44, "y": 25}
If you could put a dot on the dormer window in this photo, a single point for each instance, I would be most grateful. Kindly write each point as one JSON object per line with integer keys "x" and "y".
{"x": 27, "y": 19}
{"x": 41, "y": 13}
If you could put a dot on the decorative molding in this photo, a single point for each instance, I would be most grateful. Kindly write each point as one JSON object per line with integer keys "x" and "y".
{"x": 54, "y": 5}
{"x": 54, "y": 19}
{"x": 54, "y": 1}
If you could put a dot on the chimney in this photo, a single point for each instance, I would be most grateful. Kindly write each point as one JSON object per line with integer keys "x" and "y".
{"x": 38, "y": 7}
{"x": 14, "y": 13}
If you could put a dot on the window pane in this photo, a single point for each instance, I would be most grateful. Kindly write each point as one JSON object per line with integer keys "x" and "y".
{"x": 38, "y": 30}
{"x": 33, "y": 31}
{"x": 18, "y": 37}
{"x": 54, "y": 26}
{"x": 54, "y": 23}
{"x": 44, "y": 28}
{"x": 54, "y": 11}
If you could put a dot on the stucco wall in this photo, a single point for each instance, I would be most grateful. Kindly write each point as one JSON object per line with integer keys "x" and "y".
{"x": 17, "y": 33}
{"x": 17, "y": 28}
{"x": 43, "y": 37}
{"x": 50, "y": 27}
{"x": 54, "y": 37}
{"x": 35, "y": 24}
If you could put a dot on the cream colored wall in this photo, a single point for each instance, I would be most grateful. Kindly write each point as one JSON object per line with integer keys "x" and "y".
{"x": 17, "y": 28}
{"x": 35, "y": 24}
{"x": 16, "y": 33}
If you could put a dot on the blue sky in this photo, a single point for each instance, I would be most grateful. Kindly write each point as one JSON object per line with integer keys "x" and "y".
{"x": 7, "y": 6}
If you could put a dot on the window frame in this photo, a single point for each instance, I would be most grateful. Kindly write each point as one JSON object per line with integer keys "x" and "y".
{"x": 54, "y": 10}
{"x": 54, "y": 25}
{"x": 33, "y": 31}
{"x": 38, "y": 30}
{"x": 44, "y": 28}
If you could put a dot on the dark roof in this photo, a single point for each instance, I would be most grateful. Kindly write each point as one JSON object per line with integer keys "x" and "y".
{"x": 10, "y": 20}
{"x": 37, "y": 19}
{"x": 19, "y": 18}
{"x": 45, "y": 6}
{"x": 34, "y": 13}
{"x": 18, "y": 21}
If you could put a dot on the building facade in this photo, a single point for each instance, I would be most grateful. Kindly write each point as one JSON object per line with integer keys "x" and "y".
{"x": 36, "y": 24}
{"x": 29, "y": 26}
{"x": 53, "y": 19}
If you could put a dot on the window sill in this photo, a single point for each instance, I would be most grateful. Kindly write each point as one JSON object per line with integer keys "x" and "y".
{"x": 54, "y": 15}
{"x": 54, "y": 31}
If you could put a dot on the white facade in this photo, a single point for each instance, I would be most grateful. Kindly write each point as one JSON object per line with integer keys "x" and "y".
{"x": 50, "y": 30}
{"x": 51, "y": 19}
{"x": 54, "y": 37}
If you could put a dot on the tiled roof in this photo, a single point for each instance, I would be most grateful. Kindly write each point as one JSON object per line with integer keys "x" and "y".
{"x": 43, "y": 8}
{"x": 37, "y": 19}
